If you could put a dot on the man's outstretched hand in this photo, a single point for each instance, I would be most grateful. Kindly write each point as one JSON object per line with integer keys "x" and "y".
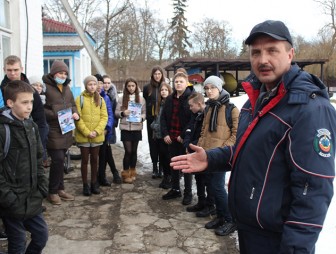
{"x": 190, "y": 163}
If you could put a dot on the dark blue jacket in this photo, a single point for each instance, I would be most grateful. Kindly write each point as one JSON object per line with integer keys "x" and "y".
{"x": 110, "y": 119}
{"x": 193, "y": 131}
{"x": 283, "y": 161}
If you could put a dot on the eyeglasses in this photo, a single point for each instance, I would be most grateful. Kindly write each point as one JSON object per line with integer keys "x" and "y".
{"x": 209, "y": 88}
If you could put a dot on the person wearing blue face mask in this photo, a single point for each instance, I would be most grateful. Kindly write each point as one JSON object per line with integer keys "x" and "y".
{"x": 58, "y": 97}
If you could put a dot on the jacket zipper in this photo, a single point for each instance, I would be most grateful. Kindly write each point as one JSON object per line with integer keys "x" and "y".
{"x": 305, "y": 190}
{"x": 252, "y": 193}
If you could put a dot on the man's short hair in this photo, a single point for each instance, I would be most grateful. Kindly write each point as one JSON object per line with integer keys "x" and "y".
{"x": 15, "y": 87}
{"x": 196, "y": 98}
{"x": 12, "y": 59}
{"x": 180, "y": 74}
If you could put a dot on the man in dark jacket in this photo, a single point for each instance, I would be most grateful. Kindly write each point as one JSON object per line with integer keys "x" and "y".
{"x": 13, "y": 69}
{"x": 282, "y": 164}
{"x": 23, "y": 183}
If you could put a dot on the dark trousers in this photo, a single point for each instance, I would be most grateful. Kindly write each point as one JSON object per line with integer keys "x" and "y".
{"x": 56, "y": 174}
{"x": 153, "y": 144}
{"x": 16, "y": 233}
{"x": 217, "y": 186}
{"x": 176, "y": 149}
{"x": 203, "y": 191}
{"x": 164, "y": 157}
{"x": 105, "y": 157}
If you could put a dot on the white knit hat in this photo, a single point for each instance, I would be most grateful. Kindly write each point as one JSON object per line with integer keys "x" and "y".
{"x": 215, "y": 81}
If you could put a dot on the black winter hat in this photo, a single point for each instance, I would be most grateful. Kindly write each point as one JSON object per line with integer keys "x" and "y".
{"x": 274, "y": 28}
{"x": 99, "y": 77}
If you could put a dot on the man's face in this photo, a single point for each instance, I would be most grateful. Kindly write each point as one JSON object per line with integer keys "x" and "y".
{"x": 23, "y": 106}
{"x": 13, "y": 71}
{"x": 270, "y": 59}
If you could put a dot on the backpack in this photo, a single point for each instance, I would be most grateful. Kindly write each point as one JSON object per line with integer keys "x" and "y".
{"x": 81, "y": 101}
{"x": 228, "y": 113}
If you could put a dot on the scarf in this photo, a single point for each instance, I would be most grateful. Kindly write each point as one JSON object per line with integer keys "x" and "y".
{"x": 223, "y": 98}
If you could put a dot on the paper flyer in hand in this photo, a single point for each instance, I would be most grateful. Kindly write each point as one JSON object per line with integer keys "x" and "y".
{"x": 135, "y": 115}
{"x": 65, "y": 120}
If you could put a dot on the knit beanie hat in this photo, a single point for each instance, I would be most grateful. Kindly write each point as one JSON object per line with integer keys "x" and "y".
{"x": 99, "y": 77}
{"x": 58, "y": 66}
{"x": 89, "y": 78}
{"x": 37, "y": 79}
{"x": 215, "y": 81}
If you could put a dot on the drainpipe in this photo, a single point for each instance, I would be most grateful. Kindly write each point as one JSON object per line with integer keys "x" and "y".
{"x": 96, "y": 62}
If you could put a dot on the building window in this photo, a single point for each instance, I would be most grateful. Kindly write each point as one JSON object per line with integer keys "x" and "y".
{"x": 4, "y": 14}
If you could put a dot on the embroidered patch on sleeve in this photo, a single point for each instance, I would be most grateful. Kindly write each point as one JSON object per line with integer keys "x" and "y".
{"x": 322, "y": 143}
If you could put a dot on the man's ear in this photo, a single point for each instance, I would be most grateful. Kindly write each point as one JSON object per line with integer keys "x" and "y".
{"x": 10, "y": 103}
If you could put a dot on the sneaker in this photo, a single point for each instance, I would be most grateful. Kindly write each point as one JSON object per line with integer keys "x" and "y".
{"x": 226, "y": 229}
{"x": 3, "y": 236}
{"x": 172, "y": 194}
{"x": 215, "y": 223}
{"x": 65, "y": 196}
{"x": 187, "y": 198}
{"x": 195, "y": 208}
{"x": 207, "y": 211}
{"x": 54, "y": 199}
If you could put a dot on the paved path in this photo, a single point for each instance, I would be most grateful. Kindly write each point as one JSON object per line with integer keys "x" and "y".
{"x": 127, "y": 218}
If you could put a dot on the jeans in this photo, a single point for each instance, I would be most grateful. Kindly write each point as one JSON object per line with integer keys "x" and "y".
{"x": 217, "y": 186}
{"x": 203, "y": 191}
{"x": 16, "y": 233}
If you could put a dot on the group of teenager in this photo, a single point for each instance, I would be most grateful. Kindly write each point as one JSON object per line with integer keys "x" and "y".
{"x": 30, "y": 125}
{"x": 179, "y": 116}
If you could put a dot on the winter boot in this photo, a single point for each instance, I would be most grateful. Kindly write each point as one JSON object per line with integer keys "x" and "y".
{"x": 95, "y": 188}
{"x": 166, "y": 182}
{"x": 86, "y": 190}
{"x": 116, "y": 177}
{"x": 155, "y": 171}
{"x": 125, "y": 174}
{"x": 133, "y": 173}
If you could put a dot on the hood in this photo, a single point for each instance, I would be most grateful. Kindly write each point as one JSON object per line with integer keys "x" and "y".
{"x": 7, "y": 118}
{"x": 5, "y": 81}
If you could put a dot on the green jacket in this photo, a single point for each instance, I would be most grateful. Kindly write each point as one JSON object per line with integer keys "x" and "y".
{"x": 23, "y": 183}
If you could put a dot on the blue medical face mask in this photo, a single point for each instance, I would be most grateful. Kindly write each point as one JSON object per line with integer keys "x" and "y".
{"x": 59, "y": 80}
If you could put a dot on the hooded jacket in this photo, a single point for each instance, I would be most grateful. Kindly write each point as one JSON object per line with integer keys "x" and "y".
{"x": 23, "y": 183}
{"x": 283, "y": 161}
{"x": 57, "y": 100}
{"x": 92, "y": 118}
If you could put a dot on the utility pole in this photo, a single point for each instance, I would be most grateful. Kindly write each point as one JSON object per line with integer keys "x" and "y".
{"x": 96, "y": 62}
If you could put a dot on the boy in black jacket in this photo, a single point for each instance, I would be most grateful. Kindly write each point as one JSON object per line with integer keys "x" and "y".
{"x": 197, "y": 107}
{"x": 174, "y": 122}
{"x": 23, "y": 183}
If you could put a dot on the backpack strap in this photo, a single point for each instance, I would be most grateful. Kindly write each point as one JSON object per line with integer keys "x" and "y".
{"x": 228, "y": 113}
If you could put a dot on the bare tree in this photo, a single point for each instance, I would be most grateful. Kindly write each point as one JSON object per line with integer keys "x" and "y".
{"x": 212, "y": 39}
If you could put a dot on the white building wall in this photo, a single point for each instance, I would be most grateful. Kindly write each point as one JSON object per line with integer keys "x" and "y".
{"x": 27, "y": 37}
{"x": 31, "y": 43}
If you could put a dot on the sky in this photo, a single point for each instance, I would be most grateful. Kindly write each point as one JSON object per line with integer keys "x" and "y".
{"x": 326, "y": 243}
{"x": 303, "y": 17}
